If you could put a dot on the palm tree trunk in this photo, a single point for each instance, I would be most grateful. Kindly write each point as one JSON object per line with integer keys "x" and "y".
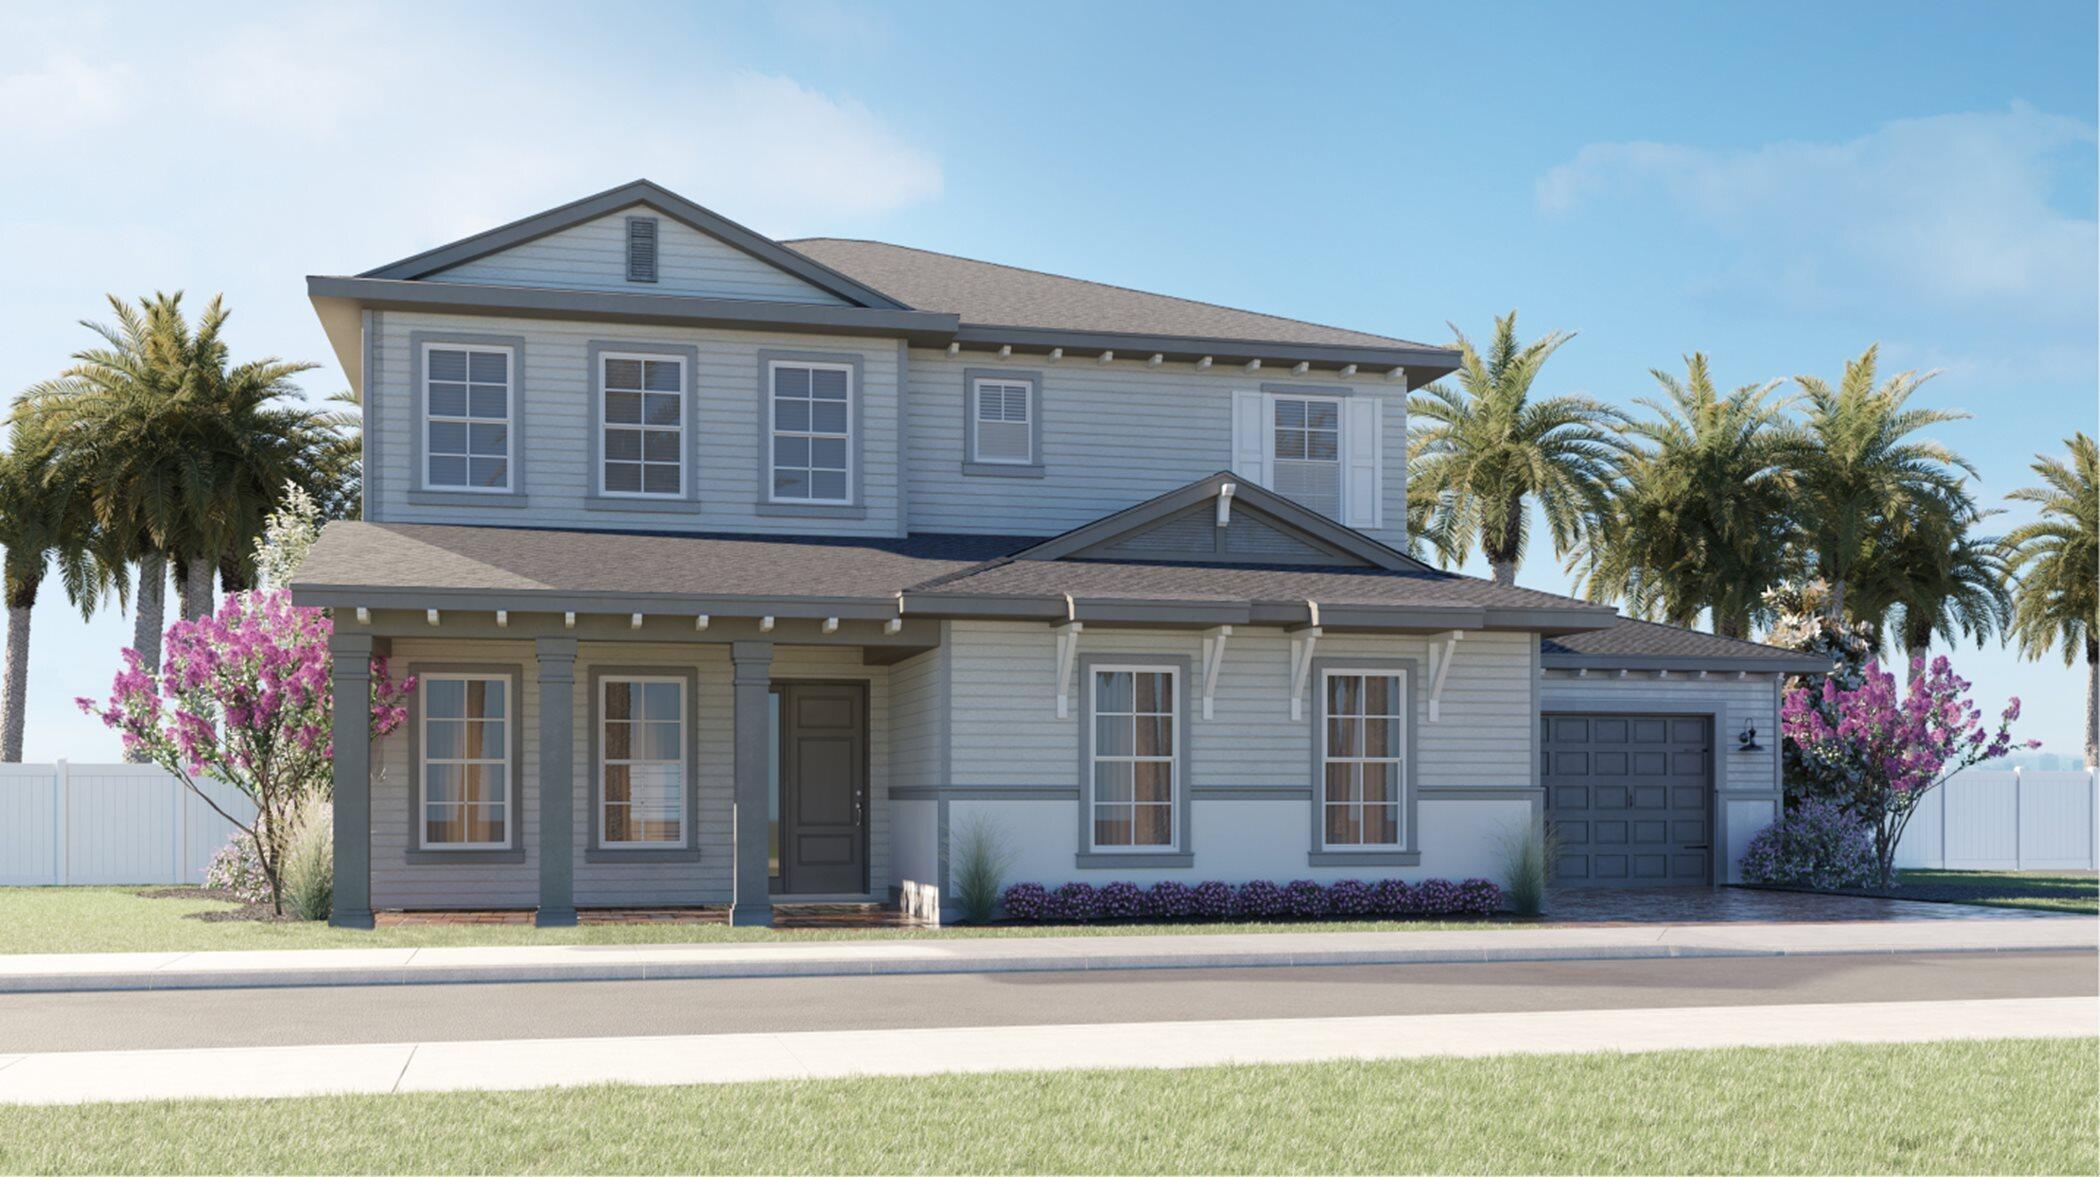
{"x": 196, "y": 587}
{"x": 17, "y": 681}
{"x": 146, "y": 621}
{"x": 1835, "y": 609}
{"x": 1505, "y": 571}
{"x": 1915, "y": 658}
{"x": 234, "y": 576}
{"x": 1731, "y": 625}
{"x": 2092, "y": 700}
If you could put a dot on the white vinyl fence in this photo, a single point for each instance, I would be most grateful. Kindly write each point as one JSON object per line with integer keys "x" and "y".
{"x": 2007, "y": 820}
{"x": 108, "y": 823}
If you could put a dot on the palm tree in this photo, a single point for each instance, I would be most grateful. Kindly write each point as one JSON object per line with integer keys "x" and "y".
{"x": 1698, "y": 515}
{"x": 1934, "y": 578}
{"x": 40, "y": 522}
{"x": 1483, "y": 451}
{"x": 2053, "y": 565}
{"x": 1858, "y": 472}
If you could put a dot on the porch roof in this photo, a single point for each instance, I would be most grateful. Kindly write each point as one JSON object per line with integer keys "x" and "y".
{"x": 1632, "y": 644}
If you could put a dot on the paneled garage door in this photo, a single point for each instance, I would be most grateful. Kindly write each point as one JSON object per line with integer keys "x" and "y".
{"x": 1629, "y": 796}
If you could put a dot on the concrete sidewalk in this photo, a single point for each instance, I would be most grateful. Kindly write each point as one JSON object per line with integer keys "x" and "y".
{"x": 397, "y": 966}
{"x": 258, "y": 1072}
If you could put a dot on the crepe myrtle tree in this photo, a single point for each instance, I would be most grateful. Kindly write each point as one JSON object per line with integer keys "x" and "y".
{"x": 243, "y": 696}
{"x": 1879, "y": 751}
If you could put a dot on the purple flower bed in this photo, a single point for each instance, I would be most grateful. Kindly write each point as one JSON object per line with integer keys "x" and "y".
{"x": 1257, "y": 899}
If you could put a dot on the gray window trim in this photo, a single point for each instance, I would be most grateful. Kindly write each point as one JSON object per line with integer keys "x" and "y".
{"x": 419, "y": 491}
{"x": 515, "y": 810}
{"x": 973, "y": 465}
{"x": 690, "y": 849}
{"x": 857, "y": 430}
{"x": 1329, "y": 390}
{"x": 688, "y": 498}
{"x": 1183, "y": 853}
{"x": 656, "y": 248}
{"x": 1409, "y": 851}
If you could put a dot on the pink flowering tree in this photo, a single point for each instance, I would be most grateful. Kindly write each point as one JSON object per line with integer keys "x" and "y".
{"x": 243, "y": 696}
{"x": 1878, "y": 751}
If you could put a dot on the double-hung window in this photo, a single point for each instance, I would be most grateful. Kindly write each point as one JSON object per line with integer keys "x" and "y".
{"x": 1307, "y": 462}
{"x": 811, "y": 432}
{"x": 642, "y": 402}
{"x": 642, "y": 758}
{"x": 1362, "y": 758}
{"x": 1136, "y": 763}
{"x": 1000, "y": 414}
{"x": 466, "y": 763}
{"x": 467, "y": 406}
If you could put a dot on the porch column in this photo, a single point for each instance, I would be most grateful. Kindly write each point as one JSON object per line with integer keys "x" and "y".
{"x": 557, "y": 707}
{"x": 350, "y": 683}
{"x": 752, "y": 901}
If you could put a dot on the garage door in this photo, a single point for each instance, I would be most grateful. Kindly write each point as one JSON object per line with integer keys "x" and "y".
{"x": 1629, "y": 797}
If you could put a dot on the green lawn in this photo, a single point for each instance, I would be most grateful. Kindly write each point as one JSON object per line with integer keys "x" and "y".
{"x": 2038, "y": 889}
{"x": 1977, "y": 1107}
{"x": 118, "y": 919}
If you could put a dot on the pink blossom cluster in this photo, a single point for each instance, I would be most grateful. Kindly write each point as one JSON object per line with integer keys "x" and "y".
{"x": 244, "y": 695}
{"x": 1906, "y": 742}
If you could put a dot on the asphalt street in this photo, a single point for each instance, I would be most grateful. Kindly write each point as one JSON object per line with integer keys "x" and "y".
{"x": 434, "y": 1013}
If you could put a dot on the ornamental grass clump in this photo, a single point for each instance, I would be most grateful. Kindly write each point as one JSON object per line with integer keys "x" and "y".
{"x": 1027, "y": 902}
{"x": 1352, "y": 897}
{"x": 1121, "y": 901}
{"x": 1816, "y": 844}
{"x": 1212, "y": 900}
{"x": 1259, "y": 899}
{"x": 309, "y": 859}
{"x": 1169, "y": 900}
{"x": 1075, "y": 901}
{"x": 982, "y": 857}
{"x": 1527, "y": 866}
{"x": 1305, "y": 899}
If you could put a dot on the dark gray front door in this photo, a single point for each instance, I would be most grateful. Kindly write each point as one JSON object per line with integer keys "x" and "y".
{"x": 1629, "y": 797}
{"x": 823, "y": 788}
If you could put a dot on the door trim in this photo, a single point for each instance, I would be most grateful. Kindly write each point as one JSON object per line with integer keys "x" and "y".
{"x": 778, "y": 885}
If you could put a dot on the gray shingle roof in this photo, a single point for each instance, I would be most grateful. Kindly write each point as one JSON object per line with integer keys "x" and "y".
{"x": 1634, "y": 642}
{"x": 988, "y": 294}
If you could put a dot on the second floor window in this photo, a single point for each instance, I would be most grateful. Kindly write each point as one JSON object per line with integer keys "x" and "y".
{"x": 1001, "y": 422}
{"x": 644, "y": 426}
{"x": 467, "y": 417}
{"x": 1308, "y": 452}
{"x": 812, "y": 432}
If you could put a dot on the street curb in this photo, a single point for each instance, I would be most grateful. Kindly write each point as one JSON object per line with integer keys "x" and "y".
{"x": 701, "y": 968}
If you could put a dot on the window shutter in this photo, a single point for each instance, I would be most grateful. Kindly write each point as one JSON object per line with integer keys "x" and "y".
{"x": 1363, "y": 470}
{"x": 1250, "y": 437}
{"x": 641, "y": 249}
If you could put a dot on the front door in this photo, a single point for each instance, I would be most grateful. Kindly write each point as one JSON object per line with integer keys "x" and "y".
{"x": 823, "y": 788}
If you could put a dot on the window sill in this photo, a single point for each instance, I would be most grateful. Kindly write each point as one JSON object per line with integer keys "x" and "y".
{"x": 812, "y": 510}
{"x": 635, "y": 855}
{"x": 1097, "y": 860}
{"x": 1003, "y": 469}
{"x": 641, "y": 503}
{"x": 466, "y": 498}
{"x": 515, "y": 854}
{"x": 1364, "y": 858}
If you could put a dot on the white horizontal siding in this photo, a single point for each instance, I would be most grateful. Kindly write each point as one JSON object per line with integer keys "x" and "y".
{"x": 593, "y": 256}
{"x": 555, "y": 395}
{"x": 1113, "y": 435}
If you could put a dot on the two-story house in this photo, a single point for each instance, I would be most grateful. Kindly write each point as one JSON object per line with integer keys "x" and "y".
{"x": 739, "y": 571}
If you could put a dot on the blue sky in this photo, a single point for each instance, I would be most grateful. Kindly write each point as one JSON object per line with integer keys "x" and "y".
{"x": 1776, "y": 184}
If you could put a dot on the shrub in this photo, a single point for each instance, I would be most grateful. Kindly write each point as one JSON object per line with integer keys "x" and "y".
{"x": 1169, "y": 900}
{"x": 1075, "y": 901}
{"x": 1258, "y": 899}
{"x": 982, "y": 857}
{"x": 236, "y": 869}
{"x": 1121, "y": 901}
{"x": 1305, "y": 898}
{"x": 1433, "y": 897}
{"x": 1527, "y": 867}
{"x": 309, "y": 859}
{"x": 1478, "y": 897}
{"x": 1026, "y": 901}
{"x": 1817, "y": 844}
{"x": 1212, "y": 900}
{"x": 1392, "y": 897}
{"x": 1351, "y": 897}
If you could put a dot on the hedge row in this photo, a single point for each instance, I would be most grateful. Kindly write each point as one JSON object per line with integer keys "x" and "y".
{"x": 1304, "y": 898}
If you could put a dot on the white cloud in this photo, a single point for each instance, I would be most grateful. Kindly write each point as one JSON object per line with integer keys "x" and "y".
{"x": 1955, "y": 211}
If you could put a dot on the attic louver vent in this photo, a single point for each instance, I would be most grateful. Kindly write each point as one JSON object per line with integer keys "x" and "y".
{"x": 641, "y": 249}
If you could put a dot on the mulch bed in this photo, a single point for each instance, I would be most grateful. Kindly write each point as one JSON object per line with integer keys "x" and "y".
{"x": 241, "y": 912}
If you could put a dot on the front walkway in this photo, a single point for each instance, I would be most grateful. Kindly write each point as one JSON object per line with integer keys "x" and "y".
{"x": 1049, "y": 953}
{"x": 252, "y": 1072}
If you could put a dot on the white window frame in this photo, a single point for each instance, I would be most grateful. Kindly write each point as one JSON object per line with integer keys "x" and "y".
{"x": 977, "y": 421}
{"x": 773, "y": 431}
{"x": 1176, "y": 781}
{"x": 1271, "y": 402}
{"x": 510, "y": 419}
{"x": 1399, "y": 802}
{"x": 685, "y": 783}
{"x": 507, "y": 792}
{"x": 685, "y": 410}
